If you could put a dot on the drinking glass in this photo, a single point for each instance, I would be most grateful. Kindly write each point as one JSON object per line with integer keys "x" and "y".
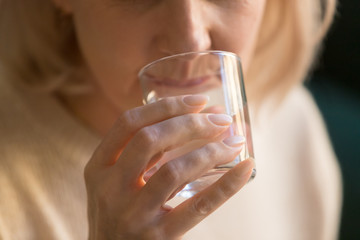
{"x": 217, "y": 74}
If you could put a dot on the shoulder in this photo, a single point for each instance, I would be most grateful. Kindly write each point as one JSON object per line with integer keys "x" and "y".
{"x": 305, "y": 122}
{"x": 297, "y": 123}
{"x": 17, "y": 149}
{"x": 43, "y": 152}
{"x": 315, "y": 153}
{"x": 296, "y": 129}
{"x": 299, "y": 119}
{"x": 38, "y": 124}
{"x": 22, "y": 136}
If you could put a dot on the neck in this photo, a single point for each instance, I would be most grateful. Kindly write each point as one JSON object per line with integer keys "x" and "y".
{"x": 93, "y": 109}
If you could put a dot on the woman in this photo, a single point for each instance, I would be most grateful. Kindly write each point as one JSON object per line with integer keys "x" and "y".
{"x": 70, "y": 99}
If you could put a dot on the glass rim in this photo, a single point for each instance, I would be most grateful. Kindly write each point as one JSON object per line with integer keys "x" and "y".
{"x": 213, "y": 52}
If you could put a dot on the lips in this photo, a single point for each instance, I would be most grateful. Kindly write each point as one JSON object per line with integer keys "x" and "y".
{"x": 179, "y": 83}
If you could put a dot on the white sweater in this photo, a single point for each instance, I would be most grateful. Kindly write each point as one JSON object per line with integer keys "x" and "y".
{"x": 43, "y": 150}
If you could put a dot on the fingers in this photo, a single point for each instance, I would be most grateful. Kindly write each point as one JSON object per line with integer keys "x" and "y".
{"x": 195, "y": 209}
{"x": 152, "y": 141}
{"x": 214, "y": 109}
{"x": 186, "y": 169}
{"x": 133, "y": 120}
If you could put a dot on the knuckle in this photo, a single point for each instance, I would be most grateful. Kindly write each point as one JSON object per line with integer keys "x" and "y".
{"x": 168, "y": 106}
{"x": 199, "y": 158}
{"x": 129, "y": 118}
{"x": 194, "y": 122}
{"x": 206, "y": 155}
{"x": 171, "y": 172}
{"x": 87, "y": 173}
{"x": 148, "y": 136}
{"x": 202, "y": 206}
{"x": 90, "y": 175}
{"x": 227, "y": 189}
{"x": 212, "y": 150}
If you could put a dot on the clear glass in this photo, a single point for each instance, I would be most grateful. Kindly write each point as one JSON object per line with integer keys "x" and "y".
{"x": 217, "y": 74}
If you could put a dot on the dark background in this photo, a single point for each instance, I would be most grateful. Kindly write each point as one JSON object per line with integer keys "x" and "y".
{"x": 335, "y": 85}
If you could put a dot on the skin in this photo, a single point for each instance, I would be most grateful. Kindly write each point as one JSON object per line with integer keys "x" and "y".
{"x": 117, "y": 38}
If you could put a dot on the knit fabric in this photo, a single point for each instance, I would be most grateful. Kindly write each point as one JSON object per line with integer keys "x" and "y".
{"x": 43, "y": 151}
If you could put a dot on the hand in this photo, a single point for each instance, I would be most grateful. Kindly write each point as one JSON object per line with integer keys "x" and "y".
{"x": 122, "y": 206}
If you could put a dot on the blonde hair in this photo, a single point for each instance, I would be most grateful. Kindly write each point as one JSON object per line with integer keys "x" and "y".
{"x": 288, "y": 42}
{"x": 38, "y": 44}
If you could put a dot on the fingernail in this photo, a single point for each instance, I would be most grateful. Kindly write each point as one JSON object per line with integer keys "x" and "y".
{"x": 195, "y": 100}
{"x": 220, "y": 119}
{"x": 234, "y": 141}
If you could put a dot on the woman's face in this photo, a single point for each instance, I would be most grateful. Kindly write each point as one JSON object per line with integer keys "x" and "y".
{"x": 118, "y": 37}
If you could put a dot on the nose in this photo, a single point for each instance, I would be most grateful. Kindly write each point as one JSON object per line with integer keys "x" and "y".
{"x": 185, "y": 28}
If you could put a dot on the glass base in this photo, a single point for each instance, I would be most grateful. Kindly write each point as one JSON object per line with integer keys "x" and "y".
{"x": 203, "y": 182}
